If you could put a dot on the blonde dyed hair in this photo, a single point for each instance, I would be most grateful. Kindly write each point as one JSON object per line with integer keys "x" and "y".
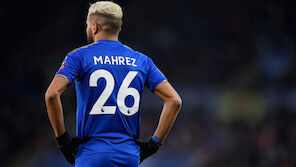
{"x": 106, "y": 8}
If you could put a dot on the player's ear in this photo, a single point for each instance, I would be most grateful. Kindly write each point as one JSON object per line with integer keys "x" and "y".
{"x": 96, "y": 28}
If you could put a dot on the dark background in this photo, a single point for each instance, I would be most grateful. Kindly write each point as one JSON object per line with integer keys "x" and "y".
{"x": 233, "y": 63}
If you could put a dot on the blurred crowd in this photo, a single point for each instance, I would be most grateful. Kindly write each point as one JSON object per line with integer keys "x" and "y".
{"x": 233, "y": 63}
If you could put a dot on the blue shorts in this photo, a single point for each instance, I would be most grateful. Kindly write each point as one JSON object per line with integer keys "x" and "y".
{"x": 105, "y": 153}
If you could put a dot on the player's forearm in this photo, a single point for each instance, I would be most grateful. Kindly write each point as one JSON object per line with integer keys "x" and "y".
{"x": 168, "y": 116}
{"x": 55, "y": 113}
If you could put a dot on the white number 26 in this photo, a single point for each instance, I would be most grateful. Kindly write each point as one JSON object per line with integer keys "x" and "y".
{"x": 123, "y": 92}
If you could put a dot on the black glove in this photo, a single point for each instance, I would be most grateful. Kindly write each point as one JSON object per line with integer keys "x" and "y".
{"x": 148, "y": 148}
{"x": 68, "y": 146}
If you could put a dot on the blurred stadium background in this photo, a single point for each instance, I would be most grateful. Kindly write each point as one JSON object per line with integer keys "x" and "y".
{"x": 233, "y": 62}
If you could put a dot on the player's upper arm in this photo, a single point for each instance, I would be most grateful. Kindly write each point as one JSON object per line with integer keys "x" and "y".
{"x": 57, "y": 87}
{"x": 167, "y": 93}
{"x": 154, "y": 77}
{"x": 71, "y": 67}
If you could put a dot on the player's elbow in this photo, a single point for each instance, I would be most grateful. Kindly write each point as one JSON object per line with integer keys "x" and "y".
{"x": 51, "y": 95}
{"x": 176, "y": 102}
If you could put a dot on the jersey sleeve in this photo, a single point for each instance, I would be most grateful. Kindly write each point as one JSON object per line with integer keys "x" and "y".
{"x": 154, "y": 77}
{"x": 70, "y": 67}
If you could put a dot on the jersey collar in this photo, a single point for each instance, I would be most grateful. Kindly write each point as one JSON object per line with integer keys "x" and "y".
{"x": 108, "y": 41}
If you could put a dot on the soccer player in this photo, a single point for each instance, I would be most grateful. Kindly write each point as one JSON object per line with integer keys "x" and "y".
{"x": 109, "y": 79}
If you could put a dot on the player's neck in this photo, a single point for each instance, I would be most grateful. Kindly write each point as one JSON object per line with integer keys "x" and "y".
{"x": 105, "y": 36}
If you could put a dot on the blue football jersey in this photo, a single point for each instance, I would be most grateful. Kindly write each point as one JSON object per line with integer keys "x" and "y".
{"x": 109, "y": 79}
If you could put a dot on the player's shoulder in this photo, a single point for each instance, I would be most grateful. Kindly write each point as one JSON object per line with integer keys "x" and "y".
{"x": 136, "y": 53}
{"x": 80, "y": 50}
{"x": 143, "y": 61}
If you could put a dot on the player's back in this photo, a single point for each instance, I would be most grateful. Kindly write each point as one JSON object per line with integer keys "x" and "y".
{"x": 109, "y": 91}
{"x": 109, "y": 79}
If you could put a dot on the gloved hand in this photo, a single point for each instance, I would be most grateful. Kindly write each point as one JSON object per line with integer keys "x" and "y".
{"x": 148, "y": 148}
{"x": 68, "y": 146}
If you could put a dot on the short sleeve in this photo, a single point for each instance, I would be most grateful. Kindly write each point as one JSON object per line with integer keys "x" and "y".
{"x": 70, "y": 67}
{"x": 154, "y": 76}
